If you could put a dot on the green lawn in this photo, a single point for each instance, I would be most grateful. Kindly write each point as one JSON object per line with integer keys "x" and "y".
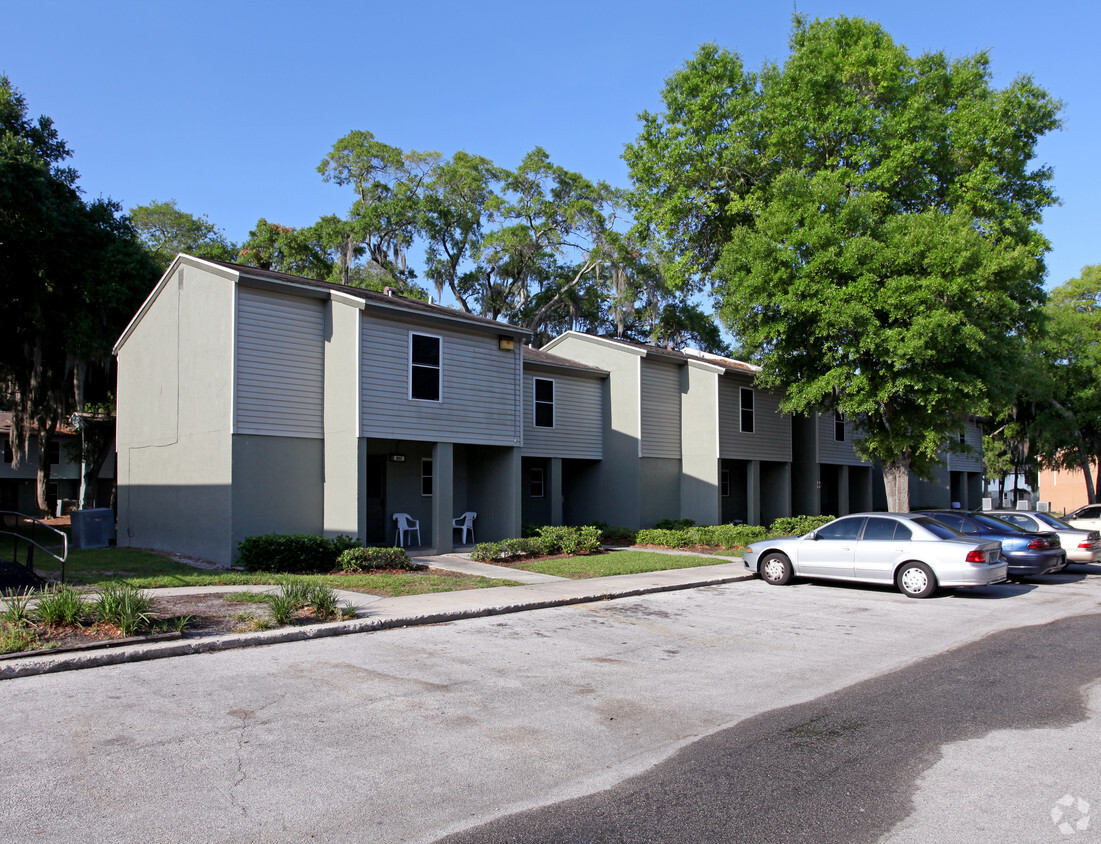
{"x": 618, "y": 562}
{"x": 149, "y": 570}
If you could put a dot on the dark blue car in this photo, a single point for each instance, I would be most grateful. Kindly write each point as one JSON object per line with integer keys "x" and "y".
{"x": 1027, "y": 552}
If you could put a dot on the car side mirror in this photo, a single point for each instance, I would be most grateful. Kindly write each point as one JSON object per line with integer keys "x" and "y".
{"x": 812, "y": 535}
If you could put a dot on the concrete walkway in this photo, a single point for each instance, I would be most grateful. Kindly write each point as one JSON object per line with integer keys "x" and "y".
{"x": 538, "y": 591}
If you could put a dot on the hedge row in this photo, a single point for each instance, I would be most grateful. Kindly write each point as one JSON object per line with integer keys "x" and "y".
{"x": 366, "y": 559}
{"x": 548, "y": 540}
{"x": 303, "y": 553}
{"x": 728, "y": 536}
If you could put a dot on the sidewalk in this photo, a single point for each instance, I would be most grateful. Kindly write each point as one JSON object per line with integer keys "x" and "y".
{"x": 538, "y": 591}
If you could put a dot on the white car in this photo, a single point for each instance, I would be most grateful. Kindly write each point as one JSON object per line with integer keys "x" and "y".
{"x": 913, "y": 551}
{"x": 1088, "y": 517}
{"x": 1083, "y": 545}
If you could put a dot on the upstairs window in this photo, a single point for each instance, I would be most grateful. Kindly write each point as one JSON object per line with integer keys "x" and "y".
{"x": 424, "y": 367}
{"x": 839, "y": 427}
{"x": 747, "y": 410}
{"x": 544, "y": 403}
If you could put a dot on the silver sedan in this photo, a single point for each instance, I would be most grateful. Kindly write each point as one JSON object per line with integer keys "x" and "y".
{"x": 1082, "y": 545}
{"x": 912, "y": 551}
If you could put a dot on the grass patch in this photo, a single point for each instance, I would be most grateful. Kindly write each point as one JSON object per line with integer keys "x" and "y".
{"x": 103, "y": 567}
{"x": 616, "y": 562}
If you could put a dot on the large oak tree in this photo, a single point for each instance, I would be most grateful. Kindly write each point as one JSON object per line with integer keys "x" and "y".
{"x": 868, "y": 220}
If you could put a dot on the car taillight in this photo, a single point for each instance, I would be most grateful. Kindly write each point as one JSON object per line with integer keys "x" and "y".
{"x": 976, "y": 556}
{"x": 1087, "y": 544}
{"x": 1039, "y": 543}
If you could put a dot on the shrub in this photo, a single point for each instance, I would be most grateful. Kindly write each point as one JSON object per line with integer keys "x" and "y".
{"x": 290, "y": 552}
{"x": 798, "y": 525}
{"x": 552, "y": 539}
{"x": 675, "y": 524}
{"x": 284, "y": 609}
{"x": 367, "y": 559}
{"x": 617, "y": 535}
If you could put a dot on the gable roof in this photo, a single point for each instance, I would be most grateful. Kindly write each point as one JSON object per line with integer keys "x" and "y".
{"x": 650, "y": 351}
{"x": 540, "y": 358}
{"x": 300, "y": 285}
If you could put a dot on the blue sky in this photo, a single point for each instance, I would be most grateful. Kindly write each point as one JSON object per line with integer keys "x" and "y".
{"x": 228, "y": 107}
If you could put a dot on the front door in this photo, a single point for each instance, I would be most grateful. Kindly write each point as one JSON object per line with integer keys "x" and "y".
{"x": 376, "y": 500}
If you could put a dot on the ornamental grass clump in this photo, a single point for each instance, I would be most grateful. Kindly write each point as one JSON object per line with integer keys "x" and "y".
{"x": 129, "y": 609}
{"x": 61, "y": 606}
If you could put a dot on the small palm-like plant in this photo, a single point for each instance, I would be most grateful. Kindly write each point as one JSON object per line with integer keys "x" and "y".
{"x": 283, "y": 608}
{"x": 324, "y": 602}
{"x": 129, "y": 609}
{"x": 19, "y": 611}
{"x": 60, "y": 605}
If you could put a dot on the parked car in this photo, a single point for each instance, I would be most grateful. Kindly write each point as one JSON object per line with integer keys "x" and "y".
{"x": 911, "y": 550}
{"x": 1088, "y": 517}
{"x": 1082, "y": 546}
{"x": 1027, "y": 552}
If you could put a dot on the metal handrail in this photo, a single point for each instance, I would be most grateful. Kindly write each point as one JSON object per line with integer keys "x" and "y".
{"x": 31, "y": 540}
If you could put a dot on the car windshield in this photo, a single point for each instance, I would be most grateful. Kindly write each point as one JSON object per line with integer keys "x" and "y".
{"x": 938, "y": 529}
{"x": 995, "y": 524}
{"x": 1054, "y": 522}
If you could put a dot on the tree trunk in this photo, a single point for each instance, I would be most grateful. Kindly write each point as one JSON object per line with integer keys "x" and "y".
{"x": 45, "y": 436}
{"x": 896, "y": 479}
{"x": 1091, "y": 488}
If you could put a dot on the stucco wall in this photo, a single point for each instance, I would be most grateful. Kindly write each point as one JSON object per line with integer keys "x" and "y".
{"x": 174, "y": 413}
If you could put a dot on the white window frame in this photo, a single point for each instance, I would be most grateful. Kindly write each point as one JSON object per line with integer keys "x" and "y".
{"x": 535, "y": 403}
{"x": 538, "y": 475}
{"x": 426, "y": 474}
{"x": 438, "y": 368}
{"x": 742, "y": 410}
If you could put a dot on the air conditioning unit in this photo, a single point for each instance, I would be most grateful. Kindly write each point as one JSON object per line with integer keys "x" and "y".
{"x": 988, "y": 503}
{"x": 1043, "y": 506}
{"x": 1024, "y": 505}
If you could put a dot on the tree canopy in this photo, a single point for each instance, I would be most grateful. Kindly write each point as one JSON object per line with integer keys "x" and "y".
{"x": 72, "y": 273}
{"x": 868, "y": 221}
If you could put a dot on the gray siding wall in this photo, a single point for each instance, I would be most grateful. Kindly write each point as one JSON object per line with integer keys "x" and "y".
{"x": 969, "y": 462}
{"x": 771, "y": 437}
{"x": 280, "y": 371}
{"x": 660, "y": 386}
{"x": 610, "y": 491}
{"x": 578, "y": 417}
{"x": 480, "y": 386}
{"x": 830, "y": 450}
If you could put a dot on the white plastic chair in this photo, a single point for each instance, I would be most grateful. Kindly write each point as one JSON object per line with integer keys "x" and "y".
{"x": 406, "y": 525}
{"x": 465, "y": 523}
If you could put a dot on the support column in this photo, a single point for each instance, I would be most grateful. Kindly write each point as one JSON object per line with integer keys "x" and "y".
{"x": 554, "y": 490}
{"x": 443, "y": 497}
{"x": 843, "y": 508}
{"x": 753, "y": 492}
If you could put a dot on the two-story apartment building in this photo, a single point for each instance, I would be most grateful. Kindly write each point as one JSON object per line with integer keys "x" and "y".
{"x": 686, "y": 435}
{"x": 252, "y": 401}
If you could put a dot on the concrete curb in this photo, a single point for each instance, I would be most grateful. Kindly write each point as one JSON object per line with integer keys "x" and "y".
{"x": 392, "y": 613}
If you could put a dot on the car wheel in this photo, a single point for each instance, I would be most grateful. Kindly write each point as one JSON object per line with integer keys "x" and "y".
{"x": 916, "y": 580}
{"x": 776, "y": 569}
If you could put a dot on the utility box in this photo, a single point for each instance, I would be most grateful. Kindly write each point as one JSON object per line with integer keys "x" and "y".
{"x": 93, "y": 528}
